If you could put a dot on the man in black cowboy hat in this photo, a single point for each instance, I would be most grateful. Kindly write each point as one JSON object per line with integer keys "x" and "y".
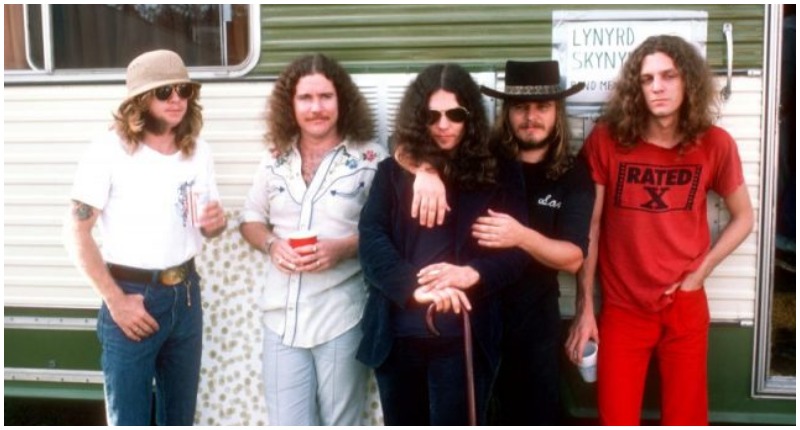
{"x": 533, "y": 127}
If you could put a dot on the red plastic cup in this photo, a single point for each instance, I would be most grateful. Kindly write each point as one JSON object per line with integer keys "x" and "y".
{"x": 301, "y": 238}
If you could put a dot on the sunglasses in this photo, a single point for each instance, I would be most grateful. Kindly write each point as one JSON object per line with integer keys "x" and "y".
{"x": 184, "y": 91}
{"x": 457, "y": 114}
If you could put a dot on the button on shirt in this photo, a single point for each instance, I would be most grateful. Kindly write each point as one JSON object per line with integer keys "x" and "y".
{"x": 308, "y": 309}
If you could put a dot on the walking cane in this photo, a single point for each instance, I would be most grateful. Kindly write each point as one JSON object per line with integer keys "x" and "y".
{"x": 429, "y": 319}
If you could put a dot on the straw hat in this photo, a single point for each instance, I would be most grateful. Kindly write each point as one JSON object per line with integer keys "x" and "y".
{"x": 154, "y": 69}
{"x": 533, "y": 81}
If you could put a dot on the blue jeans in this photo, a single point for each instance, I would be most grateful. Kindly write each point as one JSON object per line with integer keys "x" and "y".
{"x": 423, "y": 382}
{"x": 171, "y": 356}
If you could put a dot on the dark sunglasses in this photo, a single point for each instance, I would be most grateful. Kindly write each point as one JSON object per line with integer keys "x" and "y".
{"x": 457, "y": 114}
{"x": 184, "y": 91}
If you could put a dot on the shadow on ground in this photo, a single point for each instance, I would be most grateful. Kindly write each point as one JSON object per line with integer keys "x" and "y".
{"x": 41, "y": 412}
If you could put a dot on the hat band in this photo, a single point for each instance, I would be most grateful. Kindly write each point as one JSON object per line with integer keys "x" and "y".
{"x": 532, "y": 90}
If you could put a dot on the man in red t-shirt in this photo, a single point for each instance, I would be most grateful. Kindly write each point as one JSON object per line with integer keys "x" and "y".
{"x": 654, "y": 156}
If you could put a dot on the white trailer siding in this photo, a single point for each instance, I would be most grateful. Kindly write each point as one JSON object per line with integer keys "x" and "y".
{"x": 731, "y": 288}
{"x": 47, "y": 128}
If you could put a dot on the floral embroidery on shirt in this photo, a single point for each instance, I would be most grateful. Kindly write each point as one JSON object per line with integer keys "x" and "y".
{"x": 182, "y": 205}
{"x": 352, "y": 163}
{"x": 369, "y": 155}
{"x": 282, "y": 159}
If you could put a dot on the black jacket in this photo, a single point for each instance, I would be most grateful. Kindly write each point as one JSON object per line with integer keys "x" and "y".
{"x": 391, "y": 279}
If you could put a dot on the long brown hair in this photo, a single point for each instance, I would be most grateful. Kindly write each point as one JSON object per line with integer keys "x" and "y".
{"x": 626, "y": 112}
{"x": 129, "y": 122}
{"x": 558, "y": 158}
{"x": 473, "y": 165}
{"x": 354, "y": 123}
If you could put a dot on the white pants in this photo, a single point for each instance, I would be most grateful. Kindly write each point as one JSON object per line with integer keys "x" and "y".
{"x": 322, "y": 385}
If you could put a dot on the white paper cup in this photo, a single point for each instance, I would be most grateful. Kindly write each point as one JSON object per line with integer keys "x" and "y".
{"x": 588, "y": 366}
{"x": 198, "y": 200}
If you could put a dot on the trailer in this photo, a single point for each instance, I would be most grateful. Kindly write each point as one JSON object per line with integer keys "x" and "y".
{"x": 64, "y": 75}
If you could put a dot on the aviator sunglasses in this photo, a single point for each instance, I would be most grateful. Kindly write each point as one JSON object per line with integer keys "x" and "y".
{"x": 457, "y": 114}
{"x": 184, "y": 91}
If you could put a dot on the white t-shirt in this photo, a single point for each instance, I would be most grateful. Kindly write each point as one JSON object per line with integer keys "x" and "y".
{"x": 145, "y": 220}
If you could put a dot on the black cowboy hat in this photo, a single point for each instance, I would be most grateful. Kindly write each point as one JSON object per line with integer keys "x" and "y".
{"x": 533, "y": 81}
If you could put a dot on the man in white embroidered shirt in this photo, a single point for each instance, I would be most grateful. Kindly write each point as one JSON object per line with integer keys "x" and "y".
{"x": 315, "y": 176}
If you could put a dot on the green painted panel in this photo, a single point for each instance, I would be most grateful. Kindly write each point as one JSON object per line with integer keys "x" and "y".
{"x": 50, "y": 312}
{"x": 730, "y": 364}
{"x": 402, "y": 38}
{"x": 730, "y": 379}
{"x": 51, "y": 349}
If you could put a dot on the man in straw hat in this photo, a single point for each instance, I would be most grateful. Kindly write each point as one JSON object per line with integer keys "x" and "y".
{"x": 654, "y": 155}
{"x": 150, "y": 181}
{"x": 532, "y": 126}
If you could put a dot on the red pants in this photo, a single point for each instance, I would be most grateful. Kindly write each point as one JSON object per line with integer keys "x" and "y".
{"x": 679, "y": 336}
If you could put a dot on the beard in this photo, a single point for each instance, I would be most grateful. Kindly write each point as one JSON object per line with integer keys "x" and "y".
{"x": 525, "y": 145}
{"x": 155, "y": 125}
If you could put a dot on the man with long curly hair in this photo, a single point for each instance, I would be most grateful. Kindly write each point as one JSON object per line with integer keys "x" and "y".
{"x": 654, "y": 155}
{"x": 142, "y": 179}
{"x": 315, "y": 176}
{"x": 441, "y": 121}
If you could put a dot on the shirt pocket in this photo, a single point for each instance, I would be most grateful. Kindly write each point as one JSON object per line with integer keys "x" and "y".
{"x": 279, "y": 196}
{"x": 347, "y": 194}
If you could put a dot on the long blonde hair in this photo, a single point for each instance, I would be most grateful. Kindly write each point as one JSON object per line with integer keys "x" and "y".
{"x": 129, "y": 122}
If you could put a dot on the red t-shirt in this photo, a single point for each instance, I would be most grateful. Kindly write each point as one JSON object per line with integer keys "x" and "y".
{"x": 654, "y": 227}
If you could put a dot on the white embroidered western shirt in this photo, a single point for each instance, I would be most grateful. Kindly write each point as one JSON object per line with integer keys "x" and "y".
{"x": 308, "y": 309}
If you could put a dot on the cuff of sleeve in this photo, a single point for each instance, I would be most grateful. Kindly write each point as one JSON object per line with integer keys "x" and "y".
{"x": 250, "y": 216}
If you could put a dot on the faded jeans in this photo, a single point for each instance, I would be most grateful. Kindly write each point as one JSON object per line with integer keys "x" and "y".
{"x": 171, "y": 356}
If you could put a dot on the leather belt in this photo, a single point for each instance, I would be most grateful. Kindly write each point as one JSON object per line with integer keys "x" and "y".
{"x": 170, "y": 276}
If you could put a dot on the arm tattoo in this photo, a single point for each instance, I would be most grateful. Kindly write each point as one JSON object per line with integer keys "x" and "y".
{"x": 81, "y": 211}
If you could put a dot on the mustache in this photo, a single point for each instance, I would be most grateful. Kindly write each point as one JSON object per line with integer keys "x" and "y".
{"x": 532, "y": 124}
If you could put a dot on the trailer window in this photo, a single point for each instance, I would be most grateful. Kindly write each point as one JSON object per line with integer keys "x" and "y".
{"x": 782, "y": 340}
{"x": 775, "y": 361}
{"x": 62, "y": 41}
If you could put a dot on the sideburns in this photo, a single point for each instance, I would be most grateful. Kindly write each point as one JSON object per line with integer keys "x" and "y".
{"x": 154, "y": 125}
